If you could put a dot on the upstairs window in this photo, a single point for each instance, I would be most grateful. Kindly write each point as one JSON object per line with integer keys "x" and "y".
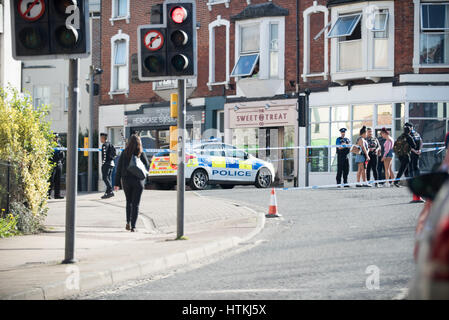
{"x": 121, "y": 8}
{"x": 274, "y": 50}
{"x": 119, "y": 64}
{"x": 248, "y": 61}
{"x": 434, "y": 40}
{"x": 345, "y": 26}
{"x": 348, "y": 30}
{"x": 380, "y": 39}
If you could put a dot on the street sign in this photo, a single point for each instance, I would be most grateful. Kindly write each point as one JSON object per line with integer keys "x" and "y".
{"x": 31, "y": 10}
{"x": 154, "y": 40}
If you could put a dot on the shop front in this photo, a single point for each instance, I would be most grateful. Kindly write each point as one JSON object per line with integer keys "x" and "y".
{"x": 153, "y": 123}
{"x": 265, "y": 129}
{"x": 426, "y": 107}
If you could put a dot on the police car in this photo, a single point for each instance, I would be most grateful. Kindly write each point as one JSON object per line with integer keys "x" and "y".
{"x": 214, "y": 163}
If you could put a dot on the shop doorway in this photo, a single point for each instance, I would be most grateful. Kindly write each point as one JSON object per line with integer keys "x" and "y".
{"x": 270, "y": 142}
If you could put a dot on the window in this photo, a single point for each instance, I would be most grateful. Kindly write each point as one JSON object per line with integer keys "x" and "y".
{"x": 274, "y": 50}
{"x": 348, "y": 30}
{"x": 120, "y": 10}
{"x": 212, "y": 28}
{"x": 259, "y": 51}
{"x": 116, "y": 136}
{"x": 120, "y": 72}
{"x": 41, "y": 96}
{"x": 344, "y": 26}
{"x": 232, "y": 152}
{"x": 246, "y": 65}
{"x": 434, "y": 38}
{"x": 215, "y": 150}
{"x": 119, "y": 64}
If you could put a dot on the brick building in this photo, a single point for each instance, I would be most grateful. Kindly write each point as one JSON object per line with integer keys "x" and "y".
{"x": 376, "y": 63}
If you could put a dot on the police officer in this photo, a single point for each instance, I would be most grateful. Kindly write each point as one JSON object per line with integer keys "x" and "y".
{"x": 415, "y": 154}
{"x": 55, "y": 178}
{"x": 342, "y": 157}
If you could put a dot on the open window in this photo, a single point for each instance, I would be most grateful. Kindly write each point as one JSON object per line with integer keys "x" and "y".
{"x": 380, "y": 21}
{"x": 246, "y": 65}
{"x": 345, "y": 26}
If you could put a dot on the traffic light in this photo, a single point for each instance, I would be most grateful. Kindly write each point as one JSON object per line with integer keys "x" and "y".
{"x": 168, "y": 51}
{"x": 181, "y": 39}
{"x": 302, "y": 111}
{"x": 50, "y": 29}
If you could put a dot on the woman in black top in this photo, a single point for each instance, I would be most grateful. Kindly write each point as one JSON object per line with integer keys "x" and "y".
{"x": 132, "y": 185}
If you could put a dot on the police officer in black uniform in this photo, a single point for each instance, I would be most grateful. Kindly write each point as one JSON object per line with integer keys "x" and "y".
{"x": 55, "y": 178}
{"x": 108, "y": 154}
{"x": 342, "y": 157}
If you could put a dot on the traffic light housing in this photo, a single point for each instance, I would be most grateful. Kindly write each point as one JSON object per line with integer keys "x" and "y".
{"x": 50, "y": 29}
{"x": 168, "y": 51}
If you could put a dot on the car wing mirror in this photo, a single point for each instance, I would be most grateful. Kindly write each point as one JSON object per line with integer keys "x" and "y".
{"x": 246, "y": 156}
{"x": 428, "y": 185}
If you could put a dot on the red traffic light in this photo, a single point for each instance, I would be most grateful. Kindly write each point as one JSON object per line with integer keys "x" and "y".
{"x": 179, "y": 14}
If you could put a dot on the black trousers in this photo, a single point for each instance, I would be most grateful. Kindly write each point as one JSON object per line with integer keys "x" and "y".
{"x": 372, "y": 165}
{"x": 342, "y": 169}
{"x": 413, "y": 168}
{"x": 380, "y": 169}
{"x": 405, "y": 161}
{"x": 133, "y": 189}
{"x": 55, "y": 180}
{"x": 106, "y": 171}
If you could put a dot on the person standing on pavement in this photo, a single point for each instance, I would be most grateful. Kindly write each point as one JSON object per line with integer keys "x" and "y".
{"x": 402, "y": 148}
{"x": 380, "y": 164}
{"x": 108, "y": 154}
{"x": 132, "y": 185}
{"x": 446, "y": 141}
{"x": 362, "y": 158}
{"x": 373, "y": 152}
{"x": 342, "y": 157}
{"x": 415, "y": 154}
{"x": 387, "y": 157}
{"x": 56, "y": 173}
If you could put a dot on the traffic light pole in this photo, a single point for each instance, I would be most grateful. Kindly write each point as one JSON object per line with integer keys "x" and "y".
{"x": 181, "y": 158}
{"x": 72, "y": 163}
{"x": 91, "y": 128}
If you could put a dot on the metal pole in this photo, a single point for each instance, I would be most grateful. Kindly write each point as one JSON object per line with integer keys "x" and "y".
{"x": 307, "y": 139}
{"x": 8, "y": 186}
{"x": 91, "y": 128}
{"x": 181, "y": 158}
{"x": 298, "y": 152}
{"x": 72, "y": 163}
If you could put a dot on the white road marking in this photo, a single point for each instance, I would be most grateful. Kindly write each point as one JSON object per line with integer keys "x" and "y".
{"x": 402, "y": 295}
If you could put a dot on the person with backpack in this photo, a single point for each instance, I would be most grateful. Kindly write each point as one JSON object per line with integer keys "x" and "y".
{"x": 402, "y": 148}
{"x": 415, "y": 154}
{"x": 131, "y": 173}
{"x": 387, "y": 157}
{"x": 108, "y": 154}
{"x": 373, "y": 152}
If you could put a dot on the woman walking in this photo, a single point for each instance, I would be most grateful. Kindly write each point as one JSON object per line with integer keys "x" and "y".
{"x": 132, "y": 185}
{"x": 362, "y": 158}
{"x": 388, "y": 156}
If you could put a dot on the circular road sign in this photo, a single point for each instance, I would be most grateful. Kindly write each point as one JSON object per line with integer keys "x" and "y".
{"x": 154, "y": 40}
{"x": 31, "y": 10}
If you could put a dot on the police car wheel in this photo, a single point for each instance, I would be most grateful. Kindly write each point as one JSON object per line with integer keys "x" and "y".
{"x": 263, "y": 178}
{"x": 199, "y": 180}
{"x": 227, "y": 186}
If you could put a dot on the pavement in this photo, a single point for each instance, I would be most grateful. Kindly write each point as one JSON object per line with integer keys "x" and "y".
{"x": 107, "y": 254}
{"x": 351, "y": 243}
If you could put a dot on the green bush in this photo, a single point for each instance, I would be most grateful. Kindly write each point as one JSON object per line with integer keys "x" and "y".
{"x": 7, "y": 225}
{"x": 27, "y": 142}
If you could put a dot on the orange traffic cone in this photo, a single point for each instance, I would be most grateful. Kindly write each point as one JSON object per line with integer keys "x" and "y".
{"x": 416, "y": 199}
{"x": 273, "y": 208}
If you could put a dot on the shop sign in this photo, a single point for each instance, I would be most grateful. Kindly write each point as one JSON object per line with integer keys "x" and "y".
{"x": 160, "y": 117}
{"x": 262, "y": 117}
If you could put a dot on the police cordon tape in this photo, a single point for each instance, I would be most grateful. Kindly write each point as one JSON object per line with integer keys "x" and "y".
{"x": 248, "y": 149}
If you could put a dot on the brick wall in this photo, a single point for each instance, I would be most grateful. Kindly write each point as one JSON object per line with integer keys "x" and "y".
{"x": 140, "y": 14}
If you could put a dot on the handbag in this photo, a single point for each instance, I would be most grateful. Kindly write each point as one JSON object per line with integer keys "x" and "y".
{"x": 356, "y": 150}
{"x": 137, "y": 168}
